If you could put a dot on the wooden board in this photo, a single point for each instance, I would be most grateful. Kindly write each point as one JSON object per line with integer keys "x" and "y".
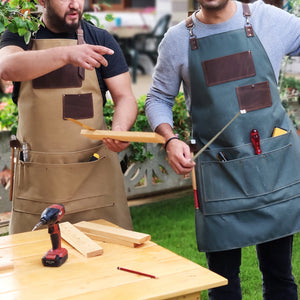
{"x": 107, "y": 239}
{"x": 113, "y": 232}
{"x": 5, "y": 264}
{"x": 79, "y": 240}
{"x": 125, "y": 136}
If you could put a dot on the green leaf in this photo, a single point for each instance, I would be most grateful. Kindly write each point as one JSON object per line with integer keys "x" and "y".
{"x": 22, "y": 31}
{"x": 27, "y": 37}
{"x": 2, "y": 27}
{"x": 12, "y": 27}
{"x": 28, "y": 5}
{"x": 14, "y": 3}
{"x": 33, "y": 26}
{"x": 109, "y": 17}
{"x": 89, "y": 17}
{"x": 20, "y": 22}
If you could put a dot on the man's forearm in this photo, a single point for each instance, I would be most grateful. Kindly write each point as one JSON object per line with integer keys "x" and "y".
{"x": 165, "y": 130}
{"x": 124, "y": 115}
{"x": 20, "y": 65}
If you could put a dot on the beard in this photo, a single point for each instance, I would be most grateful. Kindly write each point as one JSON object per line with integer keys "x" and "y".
{"x": 59, "y": 23}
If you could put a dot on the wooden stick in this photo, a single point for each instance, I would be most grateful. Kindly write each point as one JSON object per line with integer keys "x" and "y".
{"x": 125, "y": 136}
{"x": 12, "y": 173}
{"x": 80, "y": 124}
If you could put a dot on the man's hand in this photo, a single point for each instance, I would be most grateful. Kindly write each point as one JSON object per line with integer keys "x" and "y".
{"x": 87, "y": 56}
{"x": 179, "y": 157}
{"x": 115, "y": 145}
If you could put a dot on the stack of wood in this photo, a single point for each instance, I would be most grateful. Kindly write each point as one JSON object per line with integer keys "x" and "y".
{"x": 82, "y": 236}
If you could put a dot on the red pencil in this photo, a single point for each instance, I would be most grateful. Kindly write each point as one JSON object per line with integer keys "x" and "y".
{"x": 136, "y": 272}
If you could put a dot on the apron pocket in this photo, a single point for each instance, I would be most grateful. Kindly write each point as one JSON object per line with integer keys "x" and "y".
{"x": 78, "y": 106}
{"x": 65, "y": 77}
{"x": 247, "y": 183}
{"x": 254, "y": 96}
{"x": 228, "y": 68}
{"x": 77, "y": 185}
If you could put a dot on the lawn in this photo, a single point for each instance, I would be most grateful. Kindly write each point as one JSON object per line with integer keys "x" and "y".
{"x": 171, "y": 225}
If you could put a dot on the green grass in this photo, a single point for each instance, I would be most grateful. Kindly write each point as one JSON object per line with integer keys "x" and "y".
{"x": 171, "y": 225}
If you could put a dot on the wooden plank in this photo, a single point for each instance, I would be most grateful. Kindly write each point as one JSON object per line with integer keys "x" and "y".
{"x": 113, "y": 232}
{"x": 6, "y": 264}
{"x": 125, "y": 136}
{"x": 79, "y": 240}
{"x": 107, "y": 239}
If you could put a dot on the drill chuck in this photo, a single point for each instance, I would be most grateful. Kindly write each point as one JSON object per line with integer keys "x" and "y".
{"x": 37, "y": 225}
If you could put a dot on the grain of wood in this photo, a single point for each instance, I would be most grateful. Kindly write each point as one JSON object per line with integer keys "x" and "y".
{"x": 113, "y": 232}
{"x": 79, "y": 240}
{"x": 125, "y": 136}
{"x": 6, "y": 264}
{"x": 106, "y": 239}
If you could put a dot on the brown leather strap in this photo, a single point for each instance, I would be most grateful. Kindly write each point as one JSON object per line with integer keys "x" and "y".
{"x": 246, "y": 10}
{"x": 193, "y": 39}
{"x": 189, "y": 22}
{"x": 80, "y": 41}
{"x": 247, "y": 13}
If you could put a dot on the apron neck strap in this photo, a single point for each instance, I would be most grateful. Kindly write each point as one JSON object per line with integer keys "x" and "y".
{"x": 189, "y": 23}
{"x": 80, "y": 38}
{"x": 80, "y": 41}
{"x": 248, "y": 27}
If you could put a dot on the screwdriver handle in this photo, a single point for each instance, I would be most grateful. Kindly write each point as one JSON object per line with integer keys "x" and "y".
{"x": 55, "y": 235}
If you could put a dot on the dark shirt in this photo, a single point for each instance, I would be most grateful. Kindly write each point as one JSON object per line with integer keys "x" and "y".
{"x": 92, "y": 35}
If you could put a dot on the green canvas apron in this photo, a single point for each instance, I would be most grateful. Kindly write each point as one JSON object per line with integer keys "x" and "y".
{"x": 248, "y": 198}
{"x": 58, "y": 168}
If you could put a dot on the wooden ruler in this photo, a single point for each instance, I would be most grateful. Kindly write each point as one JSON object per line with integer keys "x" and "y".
{"x": 79, "y": 240}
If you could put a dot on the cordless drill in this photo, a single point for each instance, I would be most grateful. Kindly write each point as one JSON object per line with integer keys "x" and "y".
{"x": 56, "y": 256}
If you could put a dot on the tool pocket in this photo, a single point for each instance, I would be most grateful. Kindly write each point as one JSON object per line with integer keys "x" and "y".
{"x": 78, "y": 106}
{"x": 248, "y": 181}
{"x": 65, "y": 77}
{"x": 67, "y": 178}
{"x": 228, "y": 68}
{"x": 254, "y": 96}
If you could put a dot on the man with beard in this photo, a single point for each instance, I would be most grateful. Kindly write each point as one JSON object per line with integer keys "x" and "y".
{"x": 64, "y": 73}
{"x": 228, "y": 56}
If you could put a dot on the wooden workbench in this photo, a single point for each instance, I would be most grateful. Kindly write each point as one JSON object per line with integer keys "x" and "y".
{"x": 98, "y": 277}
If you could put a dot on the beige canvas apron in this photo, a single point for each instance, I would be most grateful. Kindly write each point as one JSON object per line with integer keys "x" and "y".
{"x": 58, "y": 169}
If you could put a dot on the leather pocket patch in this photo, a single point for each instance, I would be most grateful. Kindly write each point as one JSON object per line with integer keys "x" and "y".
{"x": 65, "y": 77}
{"x": 228, "y": 68}
{"x": 79, "y": 106}
{"x": 254, "y": 96}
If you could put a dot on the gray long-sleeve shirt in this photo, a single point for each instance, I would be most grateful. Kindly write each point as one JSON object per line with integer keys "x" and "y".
{"x": 278, "y": 31}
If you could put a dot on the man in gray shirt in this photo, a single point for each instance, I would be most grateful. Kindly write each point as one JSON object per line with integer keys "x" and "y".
{"x": 228, "y": 57}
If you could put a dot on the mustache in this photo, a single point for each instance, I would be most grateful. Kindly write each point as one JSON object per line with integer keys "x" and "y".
{"x": 71, "y": 11}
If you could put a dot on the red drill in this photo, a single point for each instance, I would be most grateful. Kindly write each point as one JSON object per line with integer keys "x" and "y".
{"x": 56, "y": 256}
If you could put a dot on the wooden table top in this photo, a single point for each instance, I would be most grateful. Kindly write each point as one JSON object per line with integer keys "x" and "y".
{"x": 98, "y": 277}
